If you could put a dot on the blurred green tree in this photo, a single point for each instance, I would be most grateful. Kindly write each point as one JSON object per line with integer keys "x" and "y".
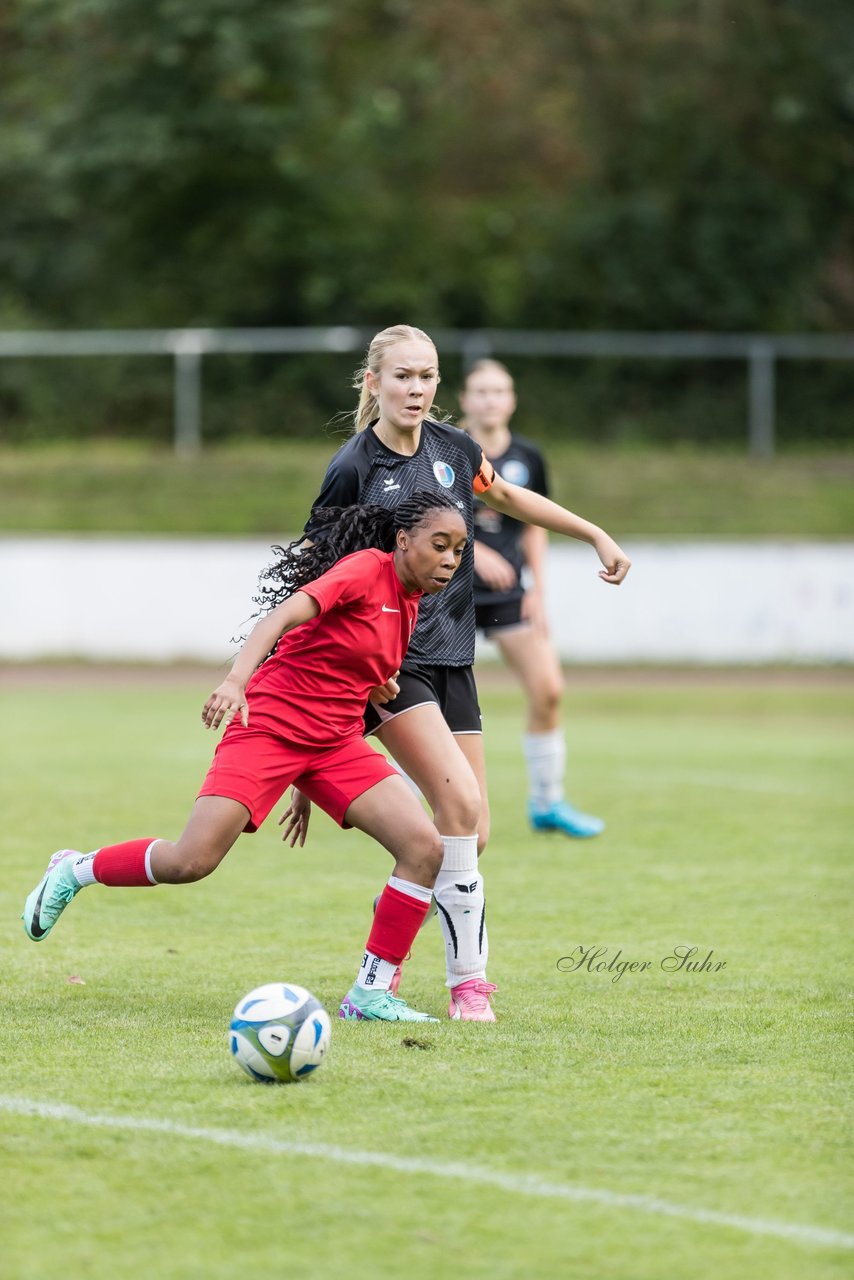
{"x": 554, "y": 162}
{"x": 646, "y": 164}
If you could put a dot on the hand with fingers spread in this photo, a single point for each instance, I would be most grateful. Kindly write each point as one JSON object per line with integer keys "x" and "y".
{"x": 297, "y": 816}
{"x": 226, "y": 701}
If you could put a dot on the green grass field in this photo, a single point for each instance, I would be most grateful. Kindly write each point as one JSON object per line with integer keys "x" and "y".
{"x": 250, "y": 487}
{"x": 663, "y": 1125}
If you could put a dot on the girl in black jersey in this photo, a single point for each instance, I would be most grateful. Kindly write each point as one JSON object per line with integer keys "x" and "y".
{"x": 511, "y": 615}
{"x": 429, "y": 719}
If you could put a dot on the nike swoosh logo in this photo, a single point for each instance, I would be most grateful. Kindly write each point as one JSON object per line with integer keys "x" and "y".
{"x": 35, "y": 928}
{"x": 387, "y": 610}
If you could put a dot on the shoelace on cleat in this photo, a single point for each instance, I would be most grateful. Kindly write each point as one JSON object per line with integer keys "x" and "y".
{"x": 61, "y": 892}
{"x": 476, "y": 997}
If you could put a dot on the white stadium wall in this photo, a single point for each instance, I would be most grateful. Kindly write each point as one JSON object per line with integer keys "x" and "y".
{"x": 161, "y": 600}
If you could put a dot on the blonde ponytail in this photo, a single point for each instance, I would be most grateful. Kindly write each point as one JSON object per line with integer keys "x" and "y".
{"x": 368, "y": 410}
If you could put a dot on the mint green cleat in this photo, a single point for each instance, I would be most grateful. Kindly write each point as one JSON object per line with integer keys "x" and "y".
{"x": 51, "y": 895}
{"x": 378, "y": 1006}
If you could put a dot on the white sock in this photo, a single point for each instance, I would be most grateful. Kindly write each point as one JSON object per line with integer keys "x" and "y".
{"x": 82, "y": 869}
{"x": 375, "y": 974}
{"x": 545, "y": 754}
{"x": 419, "y": 891}
{"x": 148, "y": 871}
{"x": 462, "y": 913}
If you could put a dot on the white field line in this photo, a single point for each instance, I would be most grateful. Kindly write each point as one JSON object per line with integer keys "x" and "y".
{"x": 523, "y": 1184}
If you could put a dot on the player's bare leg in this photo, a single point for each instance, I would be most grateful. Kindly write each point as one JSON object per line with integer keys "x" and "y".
{"x": 471, "y": 745}
{"x": 450, "y": 772}
{"x": 530, "y": 654}
{"x": 213, "y": 826}
{"x": 424, "y": 747}
{"x": 212, "y": 829}
{"x": 391, "y": 815}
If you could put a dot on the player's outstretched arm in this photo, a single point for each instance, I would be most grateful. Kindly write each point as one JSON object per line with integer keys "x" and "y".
{"x": 533, "y": 508}
{"x": 228, "y": 699}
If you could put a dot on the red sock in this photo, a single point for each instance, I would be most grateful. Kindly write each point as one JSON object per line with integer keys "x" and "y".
{"x": 397, "y": 919}
{"x": 123, "y": 864}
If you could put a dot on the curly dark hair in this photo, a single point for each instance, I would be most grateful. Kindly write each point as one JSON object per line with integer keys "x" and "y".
{"x": 338, "y": 532}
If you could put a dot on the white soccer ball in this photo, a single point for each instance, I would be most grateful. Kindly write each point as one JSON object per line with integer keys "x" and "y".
{"x": 280, "y": 1032}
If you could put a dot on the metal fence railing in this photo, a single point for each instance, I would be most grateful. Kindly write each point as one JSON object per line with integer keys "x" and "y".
{"x": 187, "y": 347}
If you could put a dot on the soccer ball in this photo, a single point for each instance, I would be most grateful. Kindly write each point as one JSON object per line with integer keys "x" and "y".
{"x": 279, "y": 1032}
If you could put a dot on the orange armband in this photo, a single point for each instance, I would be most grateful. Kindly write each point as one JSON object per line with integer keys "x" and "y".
{"x": 484, "y": 477}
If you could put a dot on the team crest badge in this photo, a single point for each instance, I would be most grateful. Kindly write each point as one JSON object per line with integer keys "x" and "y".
{"x": 444, "y": 473}
{"x": 515, "y": 472}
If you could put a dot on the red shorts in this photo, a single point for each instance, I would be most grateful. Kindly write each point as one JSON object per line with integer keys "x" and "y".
{"x": 256, "y": 767}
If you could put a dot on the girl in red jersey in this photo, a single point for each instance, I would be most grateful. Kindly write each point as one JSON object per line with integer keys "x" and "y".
{"x": 429, "y": 720}
{"x": 339, "y": 623}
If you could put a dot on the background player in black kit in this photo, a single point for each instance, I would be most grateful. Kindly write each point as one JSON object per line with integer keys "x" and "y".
{"x": 430, "y": 720}
{"x": 511, "y": 614}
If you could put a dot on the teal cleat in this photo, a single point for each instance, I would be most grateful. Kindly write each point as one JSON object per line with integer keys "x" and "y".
{"x": 568, "y": 821}
{"x": 51, "y": 895}
{"x": 378, "y": 1006}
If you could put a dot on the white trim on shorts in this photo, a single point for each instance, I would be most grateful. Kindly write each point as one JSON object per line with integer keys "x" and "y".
{"x": 386, "y": 717}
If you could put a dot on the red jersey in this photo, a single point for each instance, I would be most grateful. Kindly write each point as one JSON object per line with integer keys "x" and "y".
{"x": 315, "y": 686}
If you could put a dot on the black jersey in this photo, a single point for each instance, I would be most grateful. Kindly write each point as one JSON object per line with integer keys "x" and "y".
{"x": 446, "y": 460}
{"x": 522, "y": 464}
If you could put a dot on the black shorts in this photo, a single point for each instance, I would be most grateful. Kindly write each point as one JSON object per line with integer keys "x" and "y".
{"x": 452, "y": 689}
{"x": 492, "y": 619}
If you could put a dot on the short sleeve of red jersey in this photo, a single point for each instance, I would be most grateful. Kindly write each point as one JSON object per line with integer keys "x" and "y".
{"x": 348, "y": 580}
{"x": 484, "y": 477}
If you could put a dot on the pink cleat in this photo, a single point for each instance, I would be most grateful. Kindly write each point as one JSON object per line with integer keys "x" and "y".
{"x": 470, "y": 1001}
